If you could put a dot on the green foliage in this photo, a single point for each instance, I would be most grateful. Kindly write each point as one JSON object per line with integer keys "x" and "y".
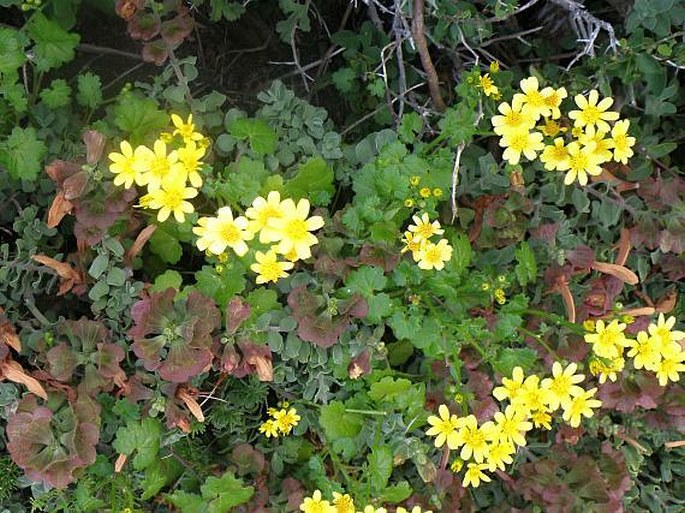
{"x": 218, "y": 495}
{"x": 53, "y": 45}
{"x": 22, "y": 153}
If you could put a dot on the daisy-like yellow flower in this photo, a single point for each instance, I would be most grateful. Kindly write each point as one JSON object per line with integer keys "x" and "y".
{"x": 409, "y": 203}
{"x": 413, "y": 244}
{"x": 645, "y": 351}
{"x": 171, "y": 199}
{"x": 154, "y": 165}
{"x": 607, "y": 369}
{"x": 269, "y": 428}
{"x": 668, "y": 337}
{"x": 553, "y": 99}
{"x": 532, "y": 396}
{"x": 433, "y": 256}
{"x": 295, "y": 227}
{"x": 514, "y": 117}
{"x": 623, "y": 143}
{"x": 511, "y": 387}
{"x": 268, "y": 268}
{"x": 592, "y": 113}
{"x": 186, "y": 129}
{"x": 517, "y": 142}
{"x": 444, "y": 428}
{"x": 414, "y": 180}
{"x": 563, "y": 384}
{"x": 425, "y": 192}
{"x": 487, "y": 85}
{"x": 500, "y": 455}
{"x": 541, "y": 418}
{"x": 315, "y": 504}
{"x": 474, "y": 439}
{"x": 343, "y": 503}
{"x": 533, "y": 98}
{"x": 582, "y": 162}
{"x": 190, "y": 156}
{"x": 123, "y": 165}
{"x": 551, "y": 128}
{"x": 286, "y": 420}
{"x": 580, "y": 406}
{"x": 261, "y": 212}
{"x": 555, "y": 156}
{"x": 474, "y": 475}
{"x": 608, "y": 340}
{"x": 602, "y": 145}
{"x": 423, "y": 228}
{"x": 218, "y": 233}
{"x": 511, "y": 425}
{"x": 415, "y": 509}
{"x": 372, "y": 509}
{"x": 670, "y": 366}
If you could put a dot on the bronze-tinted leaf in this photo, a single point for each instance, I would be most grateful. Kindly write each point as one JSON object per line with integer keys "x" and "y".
{"x": 59, "y": 208}
{"x": 75, "y": 185}
{"x": 95, "y": 146}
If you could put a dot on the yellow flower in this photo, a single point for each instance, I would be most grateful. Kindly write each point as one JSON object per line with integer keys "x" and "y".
{"x": 415, "y": 509}
{"x": 555, "y": 157}
{"x": 582, "y": 162}
{"x": 532, "y": 396}
{"x": 294, "y": 228}
{"x": 315, "y": 504}
{"x": 663, "y": 331}
{"x": 218, "y": 233}
{"x": 260, "y": 214}
{"x": 533, "y": 98}
{"x": 474, "y": 439}
{"x": 500, "y": 296}
{"x": 170, "y": 199}
{"x": 500, "y": 455}
{"x": 487, "y": 85}
{"x": 437, "y": 192}
{"x": 494, "y": 67}
{"x": 474, "y": 475}
{"x": 563, "y": 384}
{"x": 414, "y": 180}
{"x": 190, "y": 156}
{"x": 580, "y": 406}
{"x": 187, "y": 129}
{"x": 343, "y": 503}
{"x": 457, "y": 465}
{"x": 553, "y": 99}
{"x": 511, "y": 425}
{"x": 669, "y": 367}
{"x": 521, "y": 141}
{"x": 514, "y": 118}
{"x": 154, "y": 165}
{"x": 413, "y": 244}
{"x": 371, "y": 509}
{"x": 268, "y": 268}
{"x": 434, "y": 256}
{"x": 592, "y": 113}
{"x": 444, "y": 428}
{"x": 424, "y": 229}
{"x": 623, "y": 143}
{"x": 269, "y": 428}
{"x": 551, "y": 128}
{"x": 425, "y": 192}
{"x": 589, "y": 325}
{"x": 510, "y": 388}
{"x": 123, "y": 165}
{"x": 607, "y": 370}
{"x": 645, "y": 351}
{"x": 602, "y": 146}
{"x": 409, "y": 203}
{"x": 541, "y": 418}
{"x": 286, "y": 420}
{"x": 608, "y": 341}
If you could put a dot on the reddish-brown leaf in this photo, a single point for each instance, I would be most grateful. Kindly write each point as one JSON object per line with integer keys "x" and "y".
{"x": 68, "y": 275}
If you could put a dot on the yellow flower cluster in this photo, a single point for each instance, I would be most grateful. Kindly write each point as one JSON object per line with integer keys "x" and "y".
{"x": 281, "y": 422}
{"x": 659, "y": 349}
{"x": 491, "y": 445}
{"x": 283, "y": 224}
{"x": 429, "y": 255}
{"x": 420, "y": 194}
{"x": 343, "y": 503}
{"x": 166, "y": 172}
{"x": 593, "y": 141}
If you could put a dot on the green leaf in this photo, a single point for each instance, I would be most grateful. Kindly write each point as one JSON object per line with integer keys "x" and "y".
{"x": 116, "y": 277}
{"x": 366, "y": 280}
{"x": 187, "y": 502}
{"x": 399, "y": 394}
{"x": 313, "y": 177}
{"x": 57, "y": 95}
{"x": 461, "y": 253}
{"x": 396, "y": 493}
{"x": 221, "y": 287}
{"x": 526, "y": 269}
{"x": 166, "y": 245}
{"x": 168, "y": 279}
{"x": 141, "y": 438}
{"x": 337, "y": 423}
{"x": 380, "y": 307}
{"x": 225, "y": 492}
{"x": 12, "y": 54}
{"x": 242, "y": 181}
{"x": 380, "y": 468}
{"x": 343, "y": 79}
{"x": 261, "y": 137}
{"x": 138, "y": 116}
{"x": 508, "y": 358}
{"x": 53, "y": 46}
{"x": 158, "y": 475}
{"x": 22, "y": 154}
{"x": 89, "y": 92}
{"x": 230, "y": 11}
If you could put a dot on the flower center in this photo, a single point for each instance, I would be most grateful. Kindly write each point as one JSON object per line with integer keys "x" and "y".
{"x": 159, "y": 166}
{"x": 230, "y": 233}
{"x": 296, "y": 230}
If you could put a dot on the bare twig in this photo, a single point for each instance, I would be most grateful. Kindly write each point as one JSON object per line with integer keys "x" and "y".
{"x": 419, "y": 36}
{"x": 296, "y": 59}
{"x": 88, "y": 48}
{"x": 399, "y": 38}
{"x": 455, "y": 179}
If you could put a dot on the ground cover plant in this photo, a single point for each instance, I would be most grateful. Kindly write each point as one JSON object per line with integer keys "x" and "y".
{"x": 339, "y": 257}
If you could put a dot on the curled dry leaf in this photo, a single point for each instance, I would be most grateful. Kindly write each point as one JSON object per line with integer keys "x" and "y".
{"x": 120, "y": 462}
{"x": 620, "y": 272}
{"x": 140, "y": 241}
{"x": 188, "y": 399}
{"x": 68, "y": 275}
{"x": 13, "y": 371}
{"x": 59, "y": 208}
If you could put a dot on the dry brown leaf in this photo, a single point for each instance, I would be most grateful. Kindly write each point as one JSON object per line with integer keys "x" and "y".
{"x": 75, "y": 185}
{"x": 9, "y": 369}
{"x": 620, "y": 272}
{"x": 68, "y": 275}
{"x": 8, "y": 336}
{"x": 568, "y": 301}
{"x": 95, "y": 146}
{"x": 140, "y": 241}
{"x": 191, "y": 404}
{"x": 263, "y": 367}
{"x": 673, "y": 445}
{"x": 623, "y": 247}
{"x": 666, "y": 303}
{"x": 120, "y": 462}
{"x": 60, "y": 207}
